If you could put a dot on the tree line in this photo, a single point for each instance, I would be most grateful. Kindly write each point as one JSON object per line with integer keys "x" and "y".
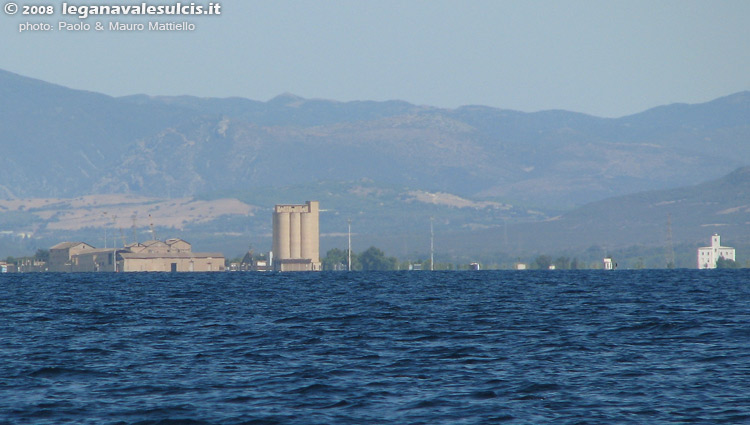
{"x": 370, "y": 259}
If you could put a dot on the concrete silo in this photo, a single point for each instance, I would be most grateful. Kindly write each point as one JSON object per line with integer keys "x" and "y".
{"x": 296, "y": 237}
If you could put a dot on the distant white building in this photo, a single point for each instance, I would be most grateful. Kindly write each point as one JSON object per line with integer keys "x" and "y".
{"x": 709, "y": 255}
{"x": 609, "y": 264}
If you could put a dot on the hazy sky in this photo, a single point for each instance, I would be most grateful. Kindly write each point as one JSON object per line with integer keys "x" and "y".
{"x": 605, "y": 58}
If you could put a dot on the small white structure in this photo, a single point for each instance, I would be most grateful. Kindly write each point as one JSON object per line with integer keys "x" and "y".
{"x": 709, "y": 255}
{"x": 609, "y": 264}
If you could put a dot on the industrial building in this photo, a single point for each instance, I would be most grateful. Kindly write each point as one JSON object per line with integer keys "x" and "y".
{"x": 709, "y": 255}
{"x": 96, "y": 260}
{"x": 172, "y": 255}
{"x": 63, "y": 256}
{"x": 296, "y": 237}
{"x": 171, "y": 262}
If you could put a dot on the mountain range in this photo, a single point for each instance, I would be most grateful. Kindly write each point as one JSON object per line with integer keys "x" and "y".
{"x": 679, "y": 219}
{"x": 392, "y": 165}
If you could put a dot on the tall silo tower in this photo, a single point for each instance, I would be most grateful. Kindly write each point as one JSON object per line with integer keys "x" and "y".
{"x": 296, "y": 237}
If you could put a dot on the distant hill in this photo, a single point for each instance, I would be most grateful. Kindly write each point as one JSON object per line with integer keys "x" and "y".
{"x": 694, "y": 212}
{"x": 495, "y": 181}
{"x": 59, "y": 142}
{"x": 644, "y": 219}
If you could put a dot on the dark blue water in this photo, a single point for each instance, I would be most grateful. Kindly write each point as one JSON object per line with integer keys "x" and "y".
{"x": 589, "y": 347}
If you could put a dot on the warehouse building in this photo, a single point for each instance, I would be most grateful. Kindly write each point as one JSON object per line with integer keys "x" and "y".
{"x": 172, "y": 255}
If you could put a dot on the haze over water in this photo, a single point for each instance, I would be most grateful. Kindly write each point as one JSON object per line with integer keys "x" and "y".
{"x": 669, "y": 346}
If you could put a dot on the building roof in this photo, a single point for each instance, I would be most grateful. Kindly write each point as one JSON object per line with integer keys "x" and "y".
{"x": 153, "y": 242}
{"x": 172, "y": 241}
{"x": 147, "y": 255}
{"x": 168, "y": 242}
{"x": 67, "y": 245}
{"x": 101, "y": 251}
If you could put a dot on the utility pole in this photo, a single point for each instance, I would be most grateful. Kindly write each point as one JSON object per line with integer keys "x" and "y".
{"x": 432, "y": 246}
{"x": 670, "y": 245}
{"x": 114, "y": 236}
{"x": 349, "y": 252}
{"x": 151, "y": 225}
{"x": 105, "y": 229}
{"x": 135, "y": 229}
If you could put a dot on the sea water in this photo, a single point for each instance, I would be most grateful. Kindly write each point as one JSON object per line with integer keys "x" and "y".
{"x": 517, "y": 347}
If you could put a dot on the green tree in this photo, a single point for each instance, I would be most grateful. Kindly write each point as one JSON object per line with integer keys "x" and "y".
{"x": 543, "y": 262}
{"x": 724, "y": 263}
{"x": 42, "y": 255}
{"x": 562, "y": 263}
{"x": 339, "y": 258}
{"x": 375, "y": 259}
{"x": 334, "y": 257}
{"x": 236, "y": 259}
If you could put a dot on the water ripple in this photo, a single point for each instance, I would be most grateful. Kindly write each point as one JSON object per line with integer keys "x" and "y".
{"x": 371, "y": 348}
